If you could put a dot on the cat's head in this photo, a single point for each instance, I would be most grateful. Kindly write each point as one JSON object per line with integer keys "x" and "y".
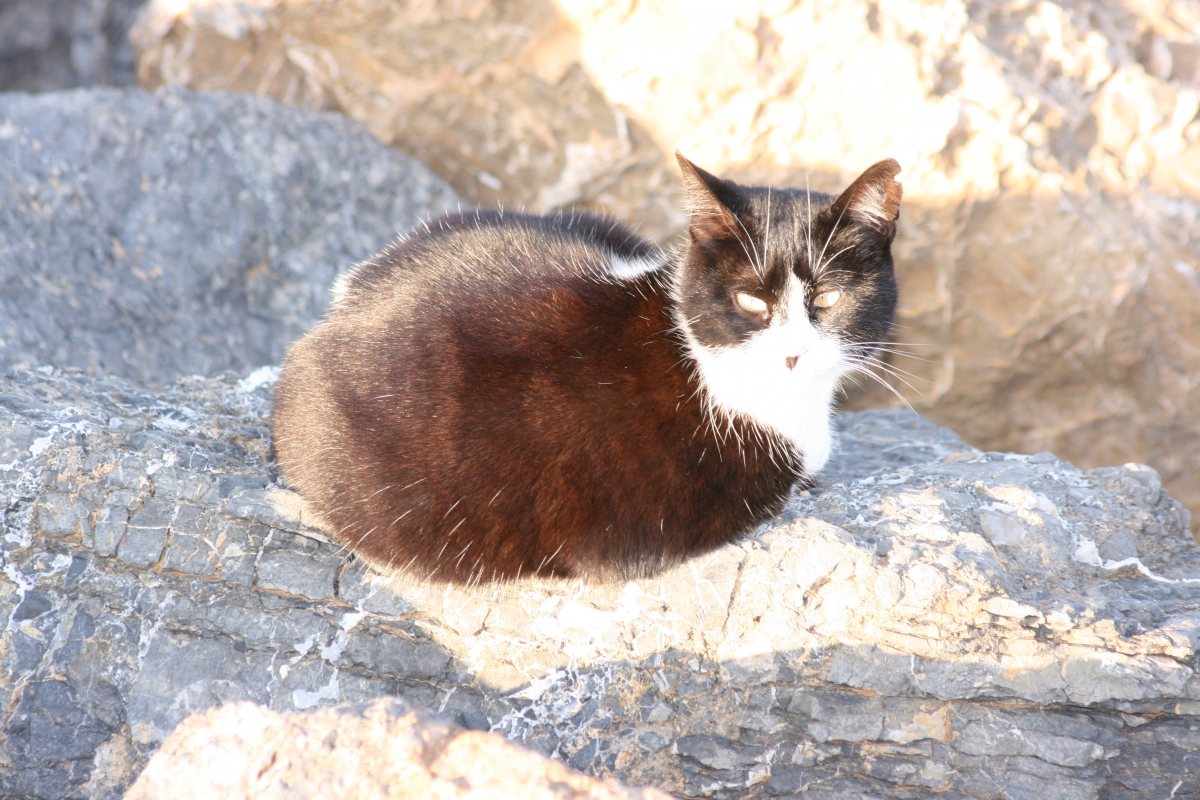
{"x": 781, "y": 293}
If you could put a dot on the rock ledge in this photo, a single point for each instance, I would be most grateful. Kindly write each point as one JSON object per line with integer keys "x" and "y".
{"x": 932, "y": 619}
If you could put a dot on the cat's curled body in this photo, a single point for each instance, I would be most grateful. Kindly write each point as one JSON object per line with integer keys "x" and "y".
{"x": 505, "y": 395}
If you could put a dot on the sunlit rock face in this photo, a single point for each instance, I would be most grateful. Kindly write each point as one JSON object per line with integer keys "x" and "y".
{"x": 1051, "y": 151}
{"x": 931, "y": 616}
{"x": 369, "y": 751}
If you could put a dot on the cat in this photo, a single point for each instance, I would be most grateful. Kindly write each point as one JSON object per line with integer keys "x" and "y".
{"x": 504, "y": 395}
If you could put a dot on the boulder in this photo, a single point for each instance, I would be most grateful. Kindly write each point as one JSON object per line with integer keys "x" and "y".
{"x": 383, "y": 749}
{"x": 932, "y": 619}
{"x": 492, "y": 96}
{"x": 170, "y": 234}
{"x": 1051, "y": 152}
{"x": 58, "y": 44}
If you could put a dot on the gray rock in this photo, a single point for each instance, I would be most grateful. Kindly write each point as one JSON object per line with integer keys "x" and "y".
{"x": 59, "y": 44}
{"x": 298, "y": 565}
{"x": 717, "y": 752}
{"x": 929, "y": 621}
{"x": 871, "y": 641}
{"x": 169, "y": 234}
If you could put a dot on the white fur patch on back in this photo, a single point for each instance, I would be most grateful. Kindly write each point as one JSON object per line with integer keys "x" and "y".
{"x": 341, "y": 286}
{"x": 624, "y": 268}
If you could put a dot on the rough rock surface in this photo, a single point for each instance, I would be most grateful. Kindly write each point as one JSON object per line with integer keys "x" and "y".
{"x": 169, "y": 234}
{"x": 492, "y": 96}
{"x": 932, "y": 621}
{"x": 59, "y": 44}
{"x": 384, "y": 749}
{"x": 1051, "y": 153}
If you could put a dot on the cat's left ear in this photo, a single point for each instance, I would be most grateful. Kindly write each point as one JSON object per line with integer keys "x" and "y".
{"x": 710, "y": 217}
{"x": 873, "y": 200}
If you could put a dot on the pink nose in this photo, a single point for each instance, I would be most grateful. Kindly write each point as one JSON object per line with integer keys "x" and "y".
{"x": 791, "y": 361}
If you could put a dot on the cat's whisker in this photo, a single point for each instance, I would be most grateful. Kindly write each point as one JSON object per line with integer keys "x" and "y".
{"x": 889, "y": 387}
{"x": 821, "y": 267}
{"x": 829, "y": 238}
{"x": 874, "y": 360}
{"x": 850, "y": 376}
{"x": 757, "y": 262}
{"x": 753, "y": 261}
{"x": 869, "y": 365}
{"x": 767, "y": 240}
{"x": 808, "y": 221}
{"x": 891, "y": 368}
{"x": 903, "y": 354}
{"x": 900, "y": 344}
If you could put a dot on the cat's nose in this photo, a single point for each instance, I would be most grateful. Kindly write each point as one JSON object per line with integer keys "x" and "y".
{"x": 791, "y": 361}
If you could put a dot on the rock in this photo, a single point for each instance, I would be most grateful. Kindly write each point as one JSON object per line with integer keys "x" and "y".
{"x": 170, "y": 234}
{"x": 491, "y": 95}
{"x": 58, "y": 44}
{"x": 869, "y": 641}
{"x": 384, "y": 749}
{"x": 1051, "y": 156}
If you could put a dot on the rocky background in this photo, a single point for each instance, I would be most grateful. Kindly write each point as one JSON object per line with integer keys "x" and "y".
{"x": 935, "y": 620}
{"x": 1049, "y": 246}
{"x": 1051, "y": 152}
{"x": 58, "y": 44}
{"x": 160, "y": 236}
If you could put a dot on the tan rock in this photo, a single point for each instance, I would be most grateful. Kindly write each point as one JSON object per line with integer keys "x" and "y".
{"x": 381, "y": 749}
{"x": 1051, "y": 232}
{"x": 491, "y": 95}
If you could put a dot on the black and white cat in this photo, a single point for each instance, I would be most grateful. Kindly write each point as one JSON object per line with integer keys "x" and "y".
{"x": 503, "y": 395}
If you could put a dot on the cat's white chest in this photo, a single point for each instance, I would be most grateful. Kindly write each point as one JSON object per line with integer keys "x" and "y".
{"x": 783, "y": 379}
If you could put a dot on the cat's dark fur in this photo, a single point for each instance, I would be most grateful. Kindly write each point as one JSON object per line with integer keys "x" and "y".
{"x": 503, "y": 395}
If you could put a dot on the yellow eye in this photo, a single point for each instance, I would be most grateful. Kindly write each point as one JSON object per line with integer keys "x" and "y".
{"x": 749, "y": 302}
{"x": 826, "y": 299}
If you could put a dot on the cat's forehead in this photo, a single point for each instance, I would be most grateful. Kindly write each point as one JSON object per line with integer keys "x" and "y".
{"x": 785, "y": 204}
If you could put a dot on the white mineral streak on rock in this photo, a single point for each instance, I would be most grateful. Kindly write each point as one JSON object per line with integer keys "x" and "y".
{"x": 263, "y": 376}
{"x": 304, "y": 699}
{"x": 1002, "y": 529}
{"x": 1087, "y": 553}
{"x": 41, "y": 445}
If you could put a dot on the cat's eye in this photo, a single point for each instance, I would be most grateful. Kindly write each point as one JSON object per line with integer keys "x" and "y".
{"x": 750, "y": 303}
{"x": 826, "y": 299}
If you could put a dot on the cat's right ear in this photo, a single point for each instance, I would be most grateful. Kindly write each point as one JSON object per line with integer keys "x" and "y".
{"x": 873, "y": 200}
{"x": 709, "y": 218}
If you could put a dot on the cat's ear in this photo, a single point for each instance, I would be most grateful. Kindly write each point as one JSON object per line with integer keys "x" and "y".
{"x": 873, "y": 200}
{"x": 710, "y": 219}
